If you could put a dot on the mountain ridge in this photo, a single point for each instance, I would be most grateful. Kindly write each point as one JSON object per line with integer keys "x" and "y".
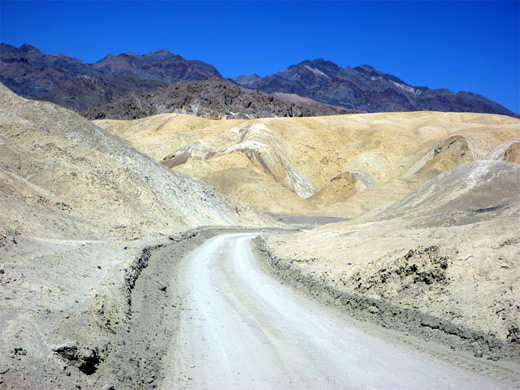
{"x": 33, "y": 74}
{"x": 367, "y": 88}
{"x": 30, "y": 73}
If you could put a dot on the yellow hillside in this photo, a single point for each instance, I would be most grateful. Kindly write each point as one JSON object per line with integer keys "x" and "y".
{"x": 336, "y": 165}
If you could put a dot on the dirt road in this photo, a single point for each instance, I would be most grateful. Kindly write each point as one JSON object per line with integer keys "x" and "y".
{"x": 240, "y": 329}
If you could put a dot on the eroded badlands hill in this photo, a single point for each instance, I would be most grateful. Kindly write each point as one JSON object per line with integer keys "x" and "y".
{"x": 62, "y": 176}
{"x": 335, "y": 166}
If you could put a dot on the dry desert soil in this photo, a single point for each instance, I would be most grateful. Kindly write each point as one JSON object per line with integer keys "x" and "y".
{"x": 351, "y": 251}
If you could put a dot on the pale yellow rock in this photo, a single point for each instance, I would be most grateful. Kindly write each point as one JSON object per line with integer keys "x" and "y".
{"x": 390, "y": 154}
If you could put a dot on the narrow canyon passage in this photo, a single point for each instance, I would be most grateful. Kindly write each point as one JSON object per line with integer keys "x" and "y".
{"x": 240, "y": 329}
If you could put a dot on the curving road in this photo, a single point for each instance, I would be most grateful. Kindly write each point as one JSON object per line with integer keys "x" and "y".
{"x": 240, "y": 329}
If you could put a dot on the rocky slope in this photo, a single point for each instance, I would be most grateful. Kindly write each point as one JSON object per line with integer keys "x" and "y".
{"x": 366, "y": 88}
{"x": 65, "y": 176}
{"x": 30, "y": 73}
{"x": 213, "y": 98}
{"x": 340, "y": 166}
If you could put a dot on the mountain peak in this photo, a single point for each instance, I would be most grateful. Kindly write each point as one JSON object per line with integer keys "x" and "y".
{"x": 160, "y": 51}
{"x": 316, "y": 61}
{"x": 6, "y": 49}
{"x": 369, "y": 70}
{"x": 162, "y": 54}
{"x": 26, "y": 48}
{"x": 325, "y": 67}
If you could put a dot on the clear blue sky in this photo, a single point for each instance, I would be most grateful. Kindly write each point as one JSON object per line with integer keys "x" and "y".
{"x": 470, "y": 46}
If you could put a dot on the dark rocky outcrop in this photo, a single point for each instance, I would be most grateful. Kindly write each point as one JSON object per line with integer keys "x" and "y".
{"x": 82, "y": 92}
{"x": 212, "y": 98}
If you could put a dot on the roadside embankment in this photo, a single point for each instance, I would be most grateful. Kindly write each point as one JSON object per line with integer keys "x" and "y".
{"x": 457, "y": 285}
{"x": 442, "y": 262}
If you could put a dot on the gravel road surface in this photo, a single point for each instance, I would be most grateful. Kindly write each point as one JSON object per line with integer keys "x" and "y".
{"x": 241, "y": 329}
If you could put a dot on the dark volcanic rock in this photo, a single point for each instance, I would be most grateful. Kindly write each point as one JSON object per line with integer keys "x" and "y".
{"x": 83, "y": 92}
{"x": 212, "y": 98}
{"x": 30, "y": 73}
{"x": 367, "y": 88}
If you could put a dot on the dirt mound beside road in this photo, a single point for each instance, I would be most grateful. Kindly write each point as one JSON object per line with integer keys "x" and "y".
{"x": 477, "y": 190}
{"x": 79, "y": 211}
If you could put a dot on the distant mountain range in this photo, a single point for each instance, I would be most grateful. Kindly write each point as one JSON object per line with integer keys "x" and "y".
{"x": 69, "y": 82}
{"x": 366, "y": 88}
{"x": 73, "y": 84}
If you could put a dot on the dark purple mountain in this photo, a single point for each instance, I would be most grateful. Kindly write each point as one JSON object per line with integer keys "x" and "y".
{"x": 31, "y": 73}
{"x": 73, "y": 84}
{"x": 158, "y": 65}
{"x": 366, "y": 88}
